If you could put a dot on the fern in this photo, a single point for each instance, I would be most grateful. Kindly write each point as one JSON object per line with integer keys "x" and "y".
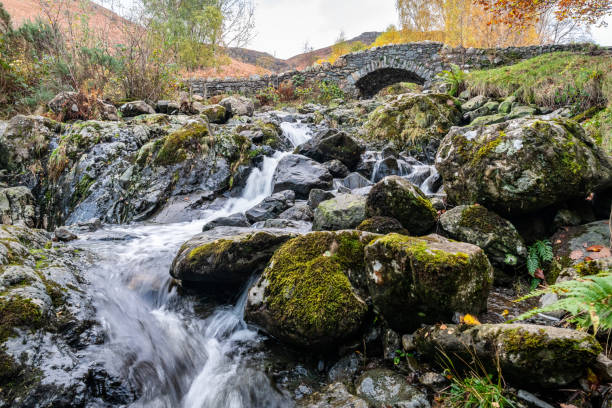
{"x": 588, "y": 300}
{"x": 454, "y": 77}
{"x": 539, "y": 252}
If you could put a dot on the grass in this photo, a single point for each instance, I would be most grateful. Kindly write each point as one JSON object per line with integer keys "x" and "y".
{"x": 599, "y": 127}
{"x": 552, "y": 80}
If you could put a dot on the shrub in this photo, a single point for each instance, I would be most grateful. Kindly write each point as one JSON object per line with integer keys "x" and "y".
{"x": 267, "y": 96}
{"x": 329, "y": 90}
{"x": 286, "y": 91}
{"x": 455, "y": 78}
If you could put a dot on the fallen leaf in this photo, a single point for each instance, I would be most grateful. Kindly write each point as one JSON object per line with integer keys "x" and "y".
{"x": 443, "y": 327}
{"x": 595, "y": 248}
{"x": 567, "y": 406}
{"x": 587, "y": 259}
{"x": 558, "y": 241}
{"x": 575, "y": 255}
{"x": 539, "y": 274}
{"x": 505, "y": 313}
{"x": 470, "y": 320}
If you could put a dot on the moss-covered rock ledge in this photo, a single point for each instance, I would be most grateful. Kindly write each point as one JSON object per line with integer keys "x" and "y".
{"x": 528, "y": 355}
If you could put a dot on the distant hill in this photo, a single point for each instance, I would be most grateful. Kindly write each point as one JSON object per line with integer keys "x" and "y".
{"x": 304, "y": 60}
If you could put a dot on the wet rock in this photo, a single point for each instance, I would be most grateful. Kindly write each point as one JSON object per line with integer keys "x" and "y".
{"x": 225, "y": 256}
{"x": 64, "y": 235}
{"x": 414, "y": 122}
{"x": 529, "y": 355}
{"x": 234, "y": 220}
{"x": 238, "y": 106}
{"x": 571, "y": 244}
{"x": 355, "y": 181}
{"x": 317, "y": 196}
{"x": 386, "y": 388}
{"x": 17, "y": 206}
{"x": 336, "y": 168}
{"x": 136, "y": 108}
{"x": 391, "y": 344}
{"x": 396, "y": 197}
{"x": 521, "y": 165}
{"x": 271, "y": 206}
{"x": 382, "y": 225}
{"x": 333, "y": 396}
{"x": 332, "y": 144}
{"x": 300, "y": 174}
{"x": 433, "y": 380}
{"x": 496, "y": 236}
{"x": 305, "y": 296}
{"x": 419, "y": 280}
{"x": 280, "y": 223}
{"x": 345, "y": 211}
{"x": 300, "y": 212}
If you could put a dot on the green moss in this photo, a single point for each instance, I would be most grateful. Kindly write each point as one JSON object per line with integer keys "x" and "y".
{"x": 82, "y": 190}
{"x": 184, "y": 143}
{"x": 309, "y": 285}
{"x": 18, "y": 312}
{"x": 213, "y": 249}
{"x": 478, "y": 217}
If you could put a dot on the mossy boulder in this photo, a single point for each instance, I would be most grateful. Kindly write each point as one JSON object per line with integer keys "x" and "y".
{"x": 521, "y": 165}
{"x": 214, "y": 114}
{"x": 529, "y": 355}
{"x": 396, "y": 197}
{"x": 136, "y": 108}
{"x": 413, "y": 122}
{"x": 382, "y": 225}
{"x": 193, "y": 139}
{"x": 400, "y": 88}
{"x": 225, "y": 257}
{"x": 345, "y": 211}
{"x": 424, "y": 280}
{"x": 382, "y": 387}
{"x": 309, "y": 294}
{"x": 24, "y": 142}
{"x": 499, "y": 239}
{"x": 17, "y": 206}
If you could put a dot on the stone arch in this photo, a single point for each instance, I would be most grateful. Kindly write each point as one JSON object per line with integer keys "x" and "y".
{"x": 385, "y": 71}
{"x": 371, "y": 83}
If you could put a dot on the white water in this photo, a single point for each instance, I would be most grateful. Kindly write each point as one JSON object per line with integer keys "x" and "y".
{"x": 155, "y": 339}
{"x": 421, "y": 175}
{"x": 297, "y": 133}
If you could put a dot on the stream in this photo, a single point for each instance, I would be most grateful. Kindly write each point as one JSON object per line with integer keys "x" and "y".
{"x": 171, "y": 353}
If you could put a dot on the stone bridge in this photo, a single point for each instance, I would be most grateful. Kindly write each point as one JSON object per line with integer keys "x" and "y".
{"x": 364, "y": 73}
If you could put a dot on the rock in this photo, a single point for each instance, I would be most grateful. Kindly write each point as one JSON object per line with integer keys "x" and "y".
{"x": 499, "y": 239}
{"x": 238, "y": 106}
{"x": 386, "y": 388}
{"x": 391, "y": 343}
{"x": 317, "y": 196}
{"x": 521, "y": 165}
{"x": 603, "y": 368}
{"x": 408, "y": 343}
{"x": 225, "y": 257}
{"x": 570, "y": 244}
{"x": 333, "y": 396}
{"x": 17, "y": 206}
{"x": 64, "y": 235}
{"x": 271, "y": 206}
{"x": 107, "y": 111}
{"x": 215, "y": 113}
{"x": 532, "y": 400}
{"x": 474, "y": 103}
{"x": 305, "y": 296}
{"x": 396, "y": 197}
{"x": 167, "y": 107}
{"x": 355, "y": 181}
{"x": 506, "y": 105}
{"x": 382, "y": 225}
{"x": 281, "y": 223}
{"x": 488, "y": 120}
{"x": 65, "y": 103}
{"x": 480, "y": 112}
{"x": 345, "y": 211}
{"x": 521, "y": 111}
{"x": 492, "y": 106}
{"x": 136, "y": 108}
{"x": 336, "y": 168}
{"x": 346, "y": 368}
{"x": 529, "y": 355}
{"x": 419, "y": 280}
{"x": 300, "y": 174}
{"x": 433, "y": 380}
{"x": 300, "y": 212}
{"x": 332, "y": 144}
{"x": 414, "y": 122}
{"x": 234, "y": 220}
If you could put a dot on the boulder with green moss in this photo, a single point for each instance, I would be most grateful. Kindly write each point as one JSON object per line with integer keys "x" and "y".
{"x": 528, "y": 355}
{"x": 400, "y": 88}
{"x": 499, "y": 239}
{"x": 521, "y": 165}
{"x": 345, "y": 211}
{"x": 225, "y": 257}
{"x": 425, "y": 280}
{"x": 382, "y": 225}
{"x": 214, "y": 113}
{"x": 309, "y": 294}
{"x": 396, "y": 197}
{"x": 413, "y": 122}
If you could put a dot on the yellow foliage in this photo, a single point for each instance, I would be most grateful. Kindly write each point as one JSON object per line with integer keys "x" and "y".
{"x": 470, "y": 320}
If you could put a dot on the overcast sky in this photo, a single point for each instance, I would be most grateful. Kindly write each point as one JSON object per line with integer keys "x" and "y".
{"x": 283, "y": 26}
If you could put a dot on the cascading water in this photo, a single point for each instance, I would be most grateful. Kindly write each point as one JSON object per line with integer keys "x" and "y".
{"x": 155, "y": 339}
